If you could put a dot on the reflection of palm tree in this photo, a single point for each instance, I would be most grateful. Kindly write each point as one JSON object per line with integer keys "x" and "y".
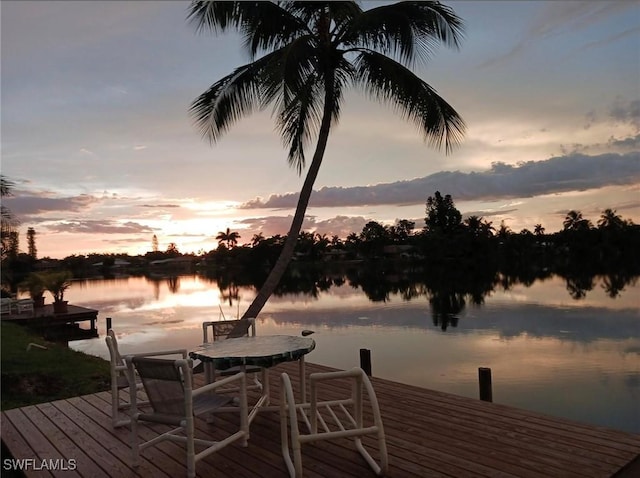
{"x": 173, "y": 283}
{"x": 578, "y": 285}
{"x": 228, "y": 237}
{"x": 231, "y": 293}
{"x": 613, "y": 284}
{"x": 318, "y": 49}
{"x": 445, "y": 307}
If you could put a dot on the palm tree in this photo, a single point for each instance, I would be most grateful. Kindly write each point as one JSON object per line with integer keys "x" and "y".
{"x": 257, "y": 239}
{"x": 9, "y": 223}
{"x": 504, "y": 231}
{"x": 571, "y": 220}
{"x": 229, "y": 237}
{"x": 610, "y": 220}
{"x": 474, "y": 224}
{"x": 311, "y": 52}
{"x": 574, "y": 221}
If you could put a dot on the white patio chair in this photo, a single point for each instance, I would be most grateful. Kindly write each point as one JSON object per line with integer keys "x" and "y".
{"x": 24, "y": 305}
{"x": 169, "y": 386}
{"x": 5, "y": 305}
{"x": 120, "y": 381}
{"x": 220, "y": 330}
{"x": 338, "y": 419}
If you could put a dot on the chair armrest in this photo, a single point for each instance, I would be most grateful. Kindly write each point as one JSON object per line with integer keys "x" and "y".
{"x": 182, "y": 352}
{"x": 218, "y": 383}
{"x": 322, "y": 376}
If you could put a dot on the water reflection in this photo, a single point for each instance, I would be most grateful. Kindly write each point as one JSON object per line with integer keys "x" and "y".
{"x": 551, "y": 352}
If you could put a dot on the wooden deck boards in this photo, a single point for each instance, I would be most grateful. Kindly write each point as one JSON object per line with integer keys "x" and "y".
{"x": 429, "y": 433}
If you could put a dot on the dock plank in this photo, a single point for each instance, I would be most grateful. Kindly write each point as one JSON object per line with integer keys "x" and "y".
{"x": 20, "y": 448}
{"x": 429, "y": 433}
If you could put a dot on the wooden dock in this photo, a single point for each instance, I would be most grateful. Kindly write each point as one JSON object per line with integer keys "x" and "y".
{"x": 75, "y": 313}
{"x": 429, "y": 434}
{"x": 61, "y": 325}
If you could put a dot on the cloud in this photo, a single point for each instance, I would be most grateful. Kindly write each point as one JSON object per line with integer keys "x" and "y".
{"x": 626, "y": 112}
{"x": 629, "y": 143}
{"x": 488, "y": 213}
{"x": 611, "y": 38}
{"x": 28, "y": 204}
{"x": 99, "y": 227}
{"x": 271, "y": 225}
{"x": 560, "y": 18}
{"x": 559, "y": 174}
{"x": 35, "y": 205}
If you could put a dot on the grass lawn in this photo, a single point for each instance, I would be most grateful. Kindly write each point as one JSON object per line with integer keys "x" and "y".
{"x": 42, "y": 375}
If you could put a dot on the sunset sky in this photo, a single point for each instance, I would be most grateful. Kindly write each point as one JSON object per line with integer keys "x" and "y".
{"x": 97, "y": 137}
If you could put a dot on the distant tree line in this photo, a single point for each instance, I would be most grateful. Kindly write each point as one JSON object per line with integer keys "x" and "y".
{"x": 446, "y": 242}
{"x": 446, "y": 238}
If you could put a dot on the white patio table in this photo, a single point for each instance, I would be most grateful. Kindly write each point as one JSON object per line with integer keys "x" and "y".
{"x": 262, "y": 351}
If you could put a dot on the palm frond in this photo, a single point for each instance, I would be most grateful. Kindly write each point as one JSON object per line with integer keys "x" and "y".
{"x": 407, "y": 30}
{"x": 6, "y": 186}
{"x": 303, "y": 98}
{"x": 299, "y": 121}
{"x": 248, "y": 17}
{"x": 214, "y": 16}
{"x": 389, "y": 81}
{"x": 307, "y": 65}
{"x": 268, "y": 26}
{"x": 232, "y": 97}
{"x": 297, "y": 89}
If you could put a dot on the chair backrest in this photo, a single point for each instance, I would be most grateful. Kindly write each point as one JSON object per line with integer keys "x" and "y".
{"x": 330, "y": 419}
{"x": 112, "y": 345}
{"x": 223, "y": 329}
{"x": 6, "y": 305}
{"x": 164, "y": 383}
{"x": 25, "y": 305}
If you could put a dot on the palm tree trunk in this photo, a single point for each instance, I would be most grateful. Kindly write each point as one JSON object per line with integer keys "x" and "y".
{"x": 296, "y": 225}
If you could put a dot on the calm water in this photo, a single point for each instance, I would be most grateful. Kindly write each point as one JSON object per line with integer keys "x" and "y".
{"x": 578, "y": 359}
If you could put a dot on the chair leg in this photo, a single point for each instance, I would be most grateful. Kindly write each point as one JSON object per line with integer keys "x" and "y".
{"x": 116, "y": 421}
{"x": 191, "y": 452}
{"x": 256, "y": 382}
{"x": 135, "y": 452}
{"x": 289, "y": 424}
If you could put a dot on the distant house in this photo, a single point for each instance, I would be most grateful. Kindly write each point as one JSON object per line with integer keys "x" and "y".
{"x": 118, "y": 264}
{"x": 335, "y": 255}
{"x": 183, "y": 261}
{"x": 46, "y": 264}
{"x": 398, "y": 251}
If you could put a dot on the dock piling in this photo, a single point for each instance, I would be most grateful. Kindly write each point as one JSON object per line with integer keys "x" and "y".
{"x": 484, "y": 378}
{"x": 365, "y": 361}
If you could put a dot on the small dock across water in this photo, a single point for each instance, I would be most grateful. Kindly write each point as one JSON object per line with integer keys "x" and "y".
{"x": 429, "y": 434}
{"x": 54, "y": 325}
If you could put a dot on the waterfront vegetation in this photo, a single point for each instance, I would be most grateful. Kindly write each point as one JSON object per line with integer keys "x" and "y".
{"x": 452, "y": 262}
{"x": 31, "y": 374}
{"x": 451, "y": 257}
